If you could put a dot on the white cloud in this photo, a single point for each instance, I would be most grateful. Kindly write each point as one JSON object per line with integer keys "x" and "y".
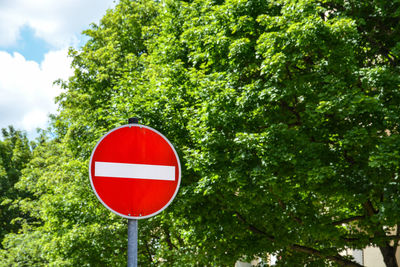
{"x": 26, "y": 88}
{"x": 57, "y": 22}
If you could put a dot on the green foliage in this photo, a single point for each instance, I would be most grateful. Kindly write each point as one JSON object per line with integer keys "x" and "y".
{"x": 15, "y": 152}
{"x": 285, "y": 115}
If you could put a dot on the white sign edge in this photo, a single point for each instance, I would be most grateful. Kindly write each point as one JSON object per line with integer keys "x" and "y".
{"x": 179, "y": 170}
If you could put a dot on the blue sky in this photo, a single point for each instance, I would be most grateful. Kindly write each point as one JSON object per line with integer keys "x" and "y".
{"x": 30, "y": 46}
{"x": 34, "y": 39}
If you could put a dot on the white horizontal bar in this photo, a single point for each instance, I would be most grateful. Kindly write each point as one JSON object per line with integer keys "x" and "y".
{"x": 134, "y": 171}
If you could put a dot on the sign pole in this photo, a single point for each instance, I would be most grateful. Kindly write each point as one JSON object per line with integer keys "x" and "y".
{"x": 132, "y": 242}
{"x": 132, "y": 229}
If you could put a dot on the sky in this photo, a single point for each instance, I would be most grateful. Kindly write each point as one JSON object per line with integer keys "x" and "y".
{"x": 34, "y": 39}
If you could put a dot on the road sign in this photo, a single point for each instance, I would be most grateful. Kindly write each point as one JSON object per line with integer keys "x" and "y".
{"x": 135, "y": 171}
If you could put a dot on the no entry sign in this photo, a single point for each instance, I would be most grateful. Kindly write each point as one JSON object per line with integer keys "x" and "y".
{"x": 135, "y": 171}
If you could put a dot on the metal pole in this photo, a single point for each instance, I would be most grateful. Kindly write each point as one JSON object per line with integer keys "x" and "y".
{"x": 132, "y": 229}
{"x": 132, "y": 242}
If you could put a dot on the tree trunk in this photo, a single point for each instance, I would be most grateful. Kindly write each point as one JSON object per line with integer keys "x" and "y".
{"x": 389, "y": 255}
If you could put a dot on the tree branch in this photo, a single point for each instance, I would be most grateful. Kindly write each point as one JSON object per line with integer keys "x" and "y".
{"x": 337, "y": 258}
{"x": 168, "y": 239}
{"x": 299, "y": 248}
{"x": 253, "y": 228}
{"x": 293, "y": 111}
{"x": 148, "y": 252}
{"x": 369, "y": 208}
{"x": 347, "y": 220}
{"x": 397, "y": 235}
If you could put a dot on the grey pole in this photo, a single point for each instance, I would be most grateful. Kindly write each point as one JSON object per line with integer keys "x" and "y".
{"x": 132, "y": 242}
{"x": 132, "y": 229}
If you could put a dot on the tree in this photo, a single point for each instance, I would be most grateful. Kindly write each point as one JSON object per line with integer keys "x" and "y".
{"x": 285, "y": 115}
{"x": 15, "y": 152}
{"x": 291, "y": 116}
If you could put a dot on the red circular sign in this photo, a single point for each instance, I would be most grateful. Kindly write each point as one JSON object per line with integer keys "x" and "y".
{"x": 135, "y": 171}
